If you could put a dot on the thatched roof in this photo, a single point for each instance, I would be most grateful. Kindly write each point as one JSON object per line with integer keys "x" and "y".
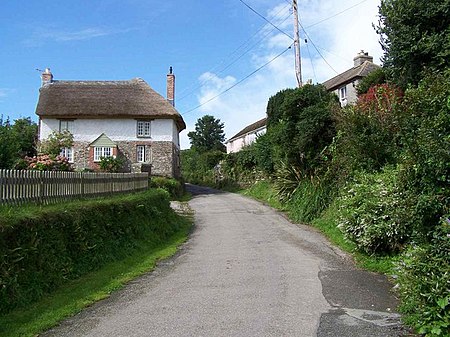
{"x": 350, "y": 75}
{"x": 104, "y": 99}
{"x": 250, "y": 128}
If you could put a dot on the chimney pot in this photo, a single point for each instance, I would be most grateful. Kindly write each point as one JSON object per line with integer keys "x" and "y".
{"x": 46, "y": 76}
{"x": 361, "y": 57}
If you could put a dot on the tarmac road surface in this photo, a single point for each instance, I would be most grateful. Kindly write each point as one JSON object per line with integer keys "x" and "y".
{"x": 246, "y": 271}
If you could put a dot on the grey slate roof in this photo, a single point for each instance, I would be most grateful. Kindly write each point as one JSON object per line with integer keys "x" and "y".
{"x": 350, "y": 75}
{"x": 252, "y": 127}
{"x": 104, "y": 99}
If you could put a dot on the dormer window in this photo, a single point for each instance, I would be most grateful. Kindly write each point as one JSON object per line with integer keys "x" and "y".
{"x": 143, "y": 128}
{"x": 102, "y": 152}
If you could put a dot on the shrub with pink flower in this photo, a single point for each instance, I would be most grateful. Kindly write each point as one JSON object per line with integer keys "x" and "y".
{"x": 45, "y": 162}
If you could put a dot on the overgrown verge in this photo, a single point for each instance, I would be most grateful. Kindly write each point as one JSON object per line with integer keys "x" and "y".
{"x": 42, "y": 248}
{"x": 379, "y": 188}
{"x": 174, "y": 187}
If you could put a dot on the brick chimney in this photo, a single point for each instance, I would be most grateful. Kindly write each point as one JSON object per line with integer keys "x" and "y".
{"x": 47, "y": 77}
{"x": 361, "y": 57}
{"x": 171, "y": 87}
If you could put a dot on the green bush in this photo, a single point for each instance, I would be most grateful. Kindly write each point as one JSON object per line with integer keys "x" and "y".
{"x": 174, "y": 187}
{"x": 374, "y": 214}
{"x": 111, "y": 164}
{"x": 42, "y": 247}
{"x": 198, "y": 167}
{"x": 425, "y": 138}
{"x": 303, "y": 126}
{"x": 368, "y": 131}
{"x": 424, "y": 284}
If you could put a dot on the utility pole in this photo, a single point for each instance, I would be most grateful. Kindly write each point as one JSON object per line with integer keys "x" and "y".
{"x": 298, "y": 64}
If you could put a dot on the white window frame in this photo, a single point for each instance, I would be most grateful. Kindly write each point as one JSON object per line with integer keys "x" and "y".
{"x": 102, "y": 151}
{"x": 67, "y": 152}
{"x": 143, "y": 129}
{"x": 141, "y": 153}
{"x": 343, "y": 93}
{"x": 66, "y": 125}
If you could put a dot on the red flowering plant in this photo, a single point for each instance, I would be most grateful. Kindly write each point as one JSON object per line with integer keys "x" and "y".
{"x": 380, "y": 102}
{"x": 370, "y": 128}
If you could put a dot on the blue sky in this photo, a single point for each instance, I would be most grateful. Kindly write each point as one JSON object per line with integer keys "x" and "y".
{"x": 211, "y": 45}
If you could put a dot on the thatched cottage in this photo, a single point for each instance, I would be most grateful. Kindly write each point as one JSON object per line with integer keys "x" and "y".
{"x": 127, "y": 119}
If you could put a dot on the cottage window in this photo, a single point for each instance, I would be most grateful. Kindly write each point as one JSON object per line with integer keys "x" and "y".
{"x": 143, "y": 128}
{"x": 140, "y": 154}
{"x": 100, "y": 151}
{"x": 67, "y": 152}
{"x": 343, "y": 93}
{"x": 65, "y": 125}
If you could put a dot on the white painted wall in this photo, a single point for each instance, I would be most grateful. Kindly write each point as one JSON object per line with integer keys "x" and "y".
{"x": 87, "y": 130}
{"x": 237, "y": 144}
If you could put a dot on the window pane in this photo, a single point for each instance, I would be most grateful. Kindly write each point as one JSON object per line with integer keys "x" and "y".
{"x": 140, "y": 128}
{"x": 143, "y": 129}
{"x": 97, "y": 153}
{"x": 147, "y": 129}
{"x": 140, "y": 153}
{"x": 65, "y": 125}
{"x": 67, "y": 152}
{"x": 107, "y": 152}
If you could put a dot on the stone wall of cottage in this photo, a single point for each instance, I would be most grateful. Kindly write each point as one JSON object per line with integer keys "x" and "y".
{"x": 163, "y": 157}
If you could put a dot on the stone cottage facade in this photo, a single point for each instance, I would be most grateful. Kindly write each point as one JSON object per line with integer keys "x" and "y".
{"x": 125, "y": 119}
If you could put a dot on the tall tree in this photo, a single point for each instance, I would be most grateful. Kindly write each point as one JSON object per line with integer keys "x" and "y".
{"x": 415, "y": 37}
{"x": 208, "y": 135}
{"x": 16, "y": 141}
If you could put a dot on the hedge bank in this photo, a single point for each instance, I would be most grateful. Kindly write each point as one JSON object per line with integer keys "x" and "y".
{"x": 43, "y": 247}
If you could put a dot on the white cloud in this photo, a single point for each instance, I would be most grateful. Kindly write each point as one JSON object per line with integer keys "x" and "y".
{"x": 5, "y": 92}
{"x": 41, "y": 35}
{"x": 338, "y": 37}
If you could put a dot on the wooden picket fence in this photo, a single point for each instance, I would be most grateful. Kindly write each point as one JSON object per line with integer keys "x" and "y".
{"x": 44, "y": 187}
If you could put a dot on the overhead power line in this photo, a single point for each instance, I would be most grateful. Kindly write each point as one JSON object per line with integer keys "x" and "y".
{"x": 261, "y": 16}
{"x": 334, "y": 15}
{"x": 232, "y": 60}
{"x": 240, "y": 81}
{"x": 317, "y": 50}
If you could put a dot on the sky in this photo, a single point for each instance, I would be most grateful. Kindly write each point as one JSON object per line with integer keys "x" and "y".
{"x": 229, "y": 57}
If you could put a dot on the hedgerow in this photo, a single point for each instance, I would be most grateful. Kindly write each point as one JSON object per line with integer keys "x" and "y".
{"x": 43, "y": 247}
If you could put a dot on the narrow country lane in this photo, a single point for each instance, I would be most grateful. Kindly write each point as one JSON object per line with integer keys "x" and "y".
{"x": 246, "y": 271}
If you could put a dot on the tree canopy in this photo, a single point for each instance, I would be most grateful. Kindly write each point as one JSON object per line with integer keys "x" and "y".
{"x": 415, "y": 37}
{"x": 16, "y": 141}
{"x": 208, "y": 135}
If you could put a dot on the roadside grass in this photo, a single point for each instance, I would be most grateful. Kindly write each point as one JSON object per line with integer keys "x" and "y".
{"x": 90, "y": 288}
{"x": 263, "y": 191}
{"x": 327, "y": 224}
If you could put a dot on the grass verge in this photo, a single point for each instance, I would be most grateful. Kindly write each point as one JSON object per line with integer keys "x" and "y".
{"x": 326, "y": 223}
{"x": 90, "y": 288}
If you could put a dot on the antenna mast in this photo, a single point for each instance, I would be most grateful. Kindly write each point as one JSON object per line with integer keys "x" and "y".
{"x": 298, "y": 64}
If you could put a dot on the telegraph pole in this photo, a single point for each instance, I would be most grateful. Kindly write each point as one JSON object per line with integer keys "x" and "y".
{"x": 298, "y": 64}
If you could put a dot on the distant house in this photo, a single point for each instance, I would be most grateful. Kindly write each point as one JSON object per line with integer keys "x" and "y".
{"x": 344, "y": 85}
{"x": 127, "y": 119}
{"x": 246, "y": 136}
